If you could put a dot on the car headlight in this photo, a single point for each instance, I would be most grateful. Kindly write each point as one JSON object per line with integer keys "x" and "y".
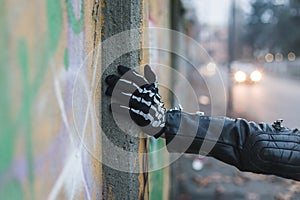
{"x": 240, "y": 76}
{"x": 256, "y": 76}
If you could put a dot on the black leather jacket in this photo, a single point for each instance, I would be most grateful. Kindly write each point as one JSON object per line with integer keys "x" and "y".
{"x": 260, "y": 148}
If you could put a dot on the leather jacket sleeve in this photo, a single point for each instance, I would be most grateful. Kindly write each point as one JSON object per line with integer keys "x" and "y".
{"x": 259, "y": 148}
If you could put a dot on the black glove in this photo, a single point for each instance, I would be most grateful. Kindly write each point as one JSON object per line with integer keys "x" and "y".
{"x": 137, "y": 96}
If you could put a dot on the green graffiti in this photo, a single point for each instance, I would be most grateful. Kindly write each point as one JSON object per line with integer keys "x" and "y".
{"x": 55, "y": 22}
{"x": 11, "y": 189}
{"x": 156, "y": 178}
{"x": 23, "y": 61}
{"x": 75, "y": 24}
{"x": 30, "y": 90}
{"x": 55, "y": 27}
{"x": 66, "y": 59}
{"x": 6, "y": 137}
{"x": 6, "y": 131}
{"x": 9, "y": 127}
{"x": 26, "y": 115}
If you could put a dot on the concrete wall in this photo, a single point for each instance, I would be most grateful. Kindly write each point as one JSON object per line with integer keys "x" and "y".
{"x": 126, "y": 176}
{"x": 52, "y": 110}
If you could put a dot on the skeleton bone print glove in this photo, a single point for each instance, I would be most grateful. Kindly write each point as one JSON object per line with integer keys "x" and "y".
{"x": 138, "y": 97}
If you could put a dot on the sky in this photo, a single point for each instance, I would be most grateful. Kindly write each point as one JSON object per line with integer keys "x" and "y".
{"x": 213, "y": 11}
{"x": 216, "y": 12}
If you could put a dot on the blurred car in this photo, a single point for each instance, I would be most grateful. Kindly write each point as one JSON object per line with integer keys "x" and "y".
{"x": 246, "y": 72}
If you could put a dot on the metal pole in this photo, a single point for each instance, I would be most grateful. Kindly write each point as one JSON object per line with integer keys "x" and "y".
{"x": 231, "y": 52}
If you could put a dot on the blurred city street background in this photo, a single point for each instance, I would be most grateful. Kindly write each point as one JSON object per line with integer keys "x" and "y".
{"x": 243, "y": 37}
{"x": 207, "y": 178}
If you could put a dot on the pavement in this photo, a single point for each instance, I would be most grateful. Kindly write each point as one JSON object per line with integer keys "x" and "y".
{"x": 219, "y": 181}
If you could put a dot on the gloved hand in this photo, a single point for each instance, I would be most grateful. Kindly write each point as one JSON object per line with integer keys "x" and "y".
{"x": 137, "y": 96}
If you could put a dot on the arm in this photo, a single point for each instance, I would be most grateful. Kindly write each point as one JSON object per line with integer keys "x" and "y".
{"x": 259, "y": 148}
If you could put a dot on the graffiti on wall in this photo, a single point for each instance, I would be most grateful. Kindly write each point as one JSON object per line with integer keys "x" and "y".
{"x": 41, "y": 155}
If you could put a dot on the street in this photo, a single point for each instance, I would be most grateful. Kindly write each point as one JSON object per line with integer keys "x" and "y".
{"x": 269, "y": 100}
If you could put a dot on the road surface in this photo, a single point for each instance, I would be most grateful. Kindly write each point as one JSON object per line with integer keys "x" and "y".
{"x": 269, "y": 100}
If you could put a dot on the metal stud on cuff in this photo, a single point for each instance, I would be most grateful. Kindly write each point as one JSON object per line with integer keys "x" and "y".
{"x": 278, "y": 124}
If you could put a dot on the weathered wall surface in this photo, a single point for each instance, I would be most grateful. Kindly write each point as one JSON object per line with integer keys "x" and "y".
{"x": 43, "y": 44}
{"x": 51, "y": 114}
{"x": 125, "y": 174}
